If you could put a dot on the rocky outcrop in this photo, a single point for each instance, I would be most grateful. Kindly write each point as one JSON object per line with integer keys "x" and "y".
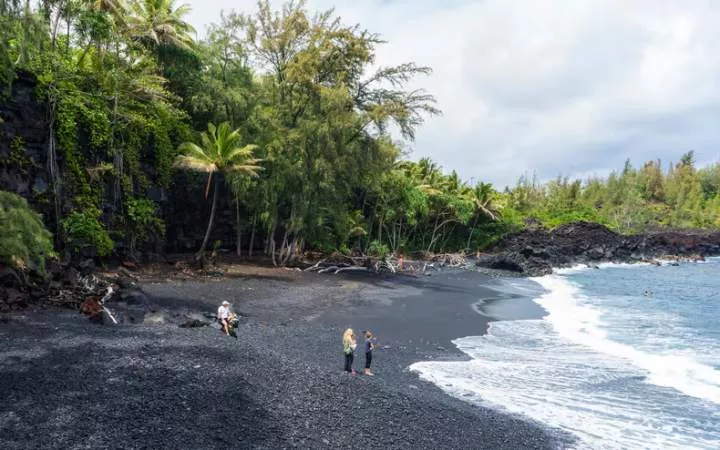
{"x": 536, "y": 252}
{"x": 23, "y": 146}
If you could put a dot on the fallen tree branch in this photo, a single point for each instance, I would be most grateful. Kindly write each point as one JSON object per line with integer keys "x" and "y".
{"x": 329, "y": 269}
{"x": 351, "y": 269}
{"x": 316, "y": 266}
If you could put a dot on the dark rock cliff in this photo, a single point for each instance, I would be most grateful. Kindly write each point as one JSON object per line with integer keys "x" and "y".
{"x": 536, "y": 252}
{"x": 24, "y": 140}
{"x": 23, "y": 146}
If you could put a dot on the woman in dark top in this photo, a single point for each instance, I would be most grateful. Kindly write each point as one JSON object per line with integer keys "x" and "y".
{"x": 369, "y": 346}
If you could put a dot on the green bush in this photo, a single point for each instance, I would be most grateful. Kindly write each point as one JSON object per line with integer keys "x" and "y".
{"x": 24, "y": 240}
{"x": 85, "y": 234}
{"x": 143, "y": 221}
{"x": 378, "y": 249}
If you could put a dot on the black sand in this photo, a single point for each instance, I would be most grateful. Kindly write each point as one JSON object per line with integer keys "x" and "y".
{"x": 67, "y": 383}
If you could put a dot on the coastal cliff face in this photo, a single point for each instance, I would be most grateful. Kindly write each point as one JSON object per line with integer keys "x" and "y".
{"x": 24, "y": 170}
{"x": 23, "y": 146}
{"x": 536, "y": 252}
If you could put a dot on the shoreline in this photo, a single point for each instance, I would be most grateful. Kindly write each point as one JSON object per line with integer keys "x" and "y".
{"x": 287, "y": 358}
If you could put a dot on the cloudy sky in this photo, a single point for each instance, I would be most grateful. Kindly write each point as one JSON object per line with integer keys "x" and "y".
{"x": 570, "y": 87}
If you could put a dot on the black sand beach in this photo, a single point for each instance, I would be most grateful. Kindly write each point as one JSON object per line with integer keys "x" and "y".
{"x": 67, "y": 383}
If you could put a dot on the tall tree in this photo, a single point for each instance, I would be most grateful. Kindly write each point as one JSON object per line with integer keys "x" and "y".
{"x": 154, "y": 23}
{"x": 220, "y": 151}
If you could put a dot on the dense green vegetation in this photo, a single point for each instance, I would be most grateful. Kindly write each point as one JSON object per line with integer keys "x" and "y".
{"x": 24, "y": 241}
{"x": 304, "y": 153}
{"x": 629, "y": 200}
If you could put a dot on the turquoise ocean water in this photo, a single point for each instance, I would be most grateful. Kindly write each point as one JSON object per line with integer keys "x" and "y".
{"x": 609, "y": 364}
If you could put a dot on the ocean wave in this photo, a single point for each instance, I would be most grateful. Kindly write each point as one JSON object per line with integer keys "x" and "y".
{"x": 582, "y": 324}
{"x": 564, "y": 371}
{"x": 579, "y": 268}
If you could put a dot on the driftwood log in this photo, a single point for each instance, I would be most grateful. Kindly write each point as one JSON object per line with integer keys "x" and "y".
{"x": 340, "y": 263}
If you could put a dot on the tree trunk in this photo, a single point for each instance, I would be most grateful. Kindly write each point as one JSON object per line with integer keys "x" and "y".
{"x": 467, "y": 245}
{"x": 432, "y": 236}
{"x": 239, "y": 229}
{"x": 435, "y": 234}
{"x": 271, "y": 240}
{"x": 380, "y": 227}
{"x": 117, "y": 157}
{"x": 293, "y": 250}
{"x": 290, "y": 249}
{"x": 201, "y": 253}
{"x": 284, "y": 247}
{"x": 252, "y": 236}
{"x": 53, "y": 170}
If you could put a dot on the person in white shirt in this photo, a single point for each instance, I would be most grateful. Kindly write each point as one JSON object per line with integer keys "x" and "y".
{"x": 223, "y": 314}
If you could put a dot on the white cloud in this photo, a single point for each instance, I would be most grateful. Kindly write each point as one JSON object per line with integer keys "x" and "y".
{"x": 552, "y": 86}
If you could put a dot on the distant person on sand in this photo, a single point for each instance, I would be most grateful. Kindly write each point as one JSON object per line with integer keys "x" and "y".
{"x": 349, "y": 345}
{"x": 223, "y": 316}
{"x": 369, "y": 346}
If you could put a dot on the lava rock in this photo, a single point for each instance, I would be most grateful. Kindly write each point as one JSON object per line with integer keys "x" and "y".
{"x": 536, "y": 251}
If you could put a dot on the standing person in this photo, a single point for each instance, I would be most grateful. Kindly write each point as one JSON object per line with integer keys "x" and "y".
{"x": 349, "y": 345}
{"x": 369, "y": 346}
{"x": 223, "y": 316}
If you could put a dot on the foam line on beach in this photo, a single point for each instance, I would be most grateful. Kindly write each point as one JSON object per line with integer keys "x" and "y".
{"x": 564, "y": 371}
{"x": 582, "y": 324}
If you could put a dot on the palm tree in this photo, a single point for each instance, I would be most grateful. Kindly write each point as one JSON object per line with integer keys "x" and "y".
{"x": 482, "y": 196}
{"x": 219, "y": 151}
{"x": 158, "y": 22}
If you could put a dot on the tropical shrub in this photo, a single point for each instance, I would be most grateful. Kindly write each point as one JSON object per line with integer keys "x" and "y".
{"x": 85, "y": 234}
{"x": 24, "y": 240}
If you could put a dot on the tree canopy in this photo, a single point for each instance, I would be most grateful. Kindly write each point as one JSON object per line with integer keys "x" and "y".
{"x": 132, "y": 98}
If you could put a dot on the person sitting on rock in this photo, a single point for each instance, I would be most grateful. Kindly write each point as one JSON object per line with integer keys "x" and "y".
{"x": 223, "y": 316}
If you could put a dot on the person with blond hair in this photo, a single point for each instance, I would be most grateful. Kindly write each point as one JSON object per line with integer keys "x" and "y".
{"x": 349, "y": 345}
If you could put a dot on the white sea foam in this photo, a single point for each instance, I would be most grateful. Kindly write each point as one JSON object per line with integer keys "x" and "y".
{"x": 564, "y": 371}
{"x": 578, "y": 268}
{"x": 582, "y": 324}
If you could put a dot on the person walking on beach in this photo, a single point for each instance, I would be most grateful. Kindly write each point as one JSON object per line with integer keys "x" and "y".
{"x": 223, "y": 316}
{"x": 369, "y": 346}
{"x": 349, "y": 345}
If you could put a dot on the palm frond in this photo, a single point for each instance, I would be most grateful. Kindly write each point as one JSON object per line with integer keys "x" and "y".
{"x": 249, "y": 169}
{"x": 193, "y": 150}
{"x": 197, "y": 165}
{"x": 237, "y": 152}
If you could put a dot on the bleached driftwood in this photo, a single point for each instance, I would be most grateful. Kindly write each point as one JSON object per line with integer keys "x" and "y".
{"x": 450, "y": 259}
{"x": 328, "y": 269}
{"x": 107, "y": 296}
{"x": 340, "y": 263}
{"x": 317, "y": 266}
{"x": 351, "y": 269}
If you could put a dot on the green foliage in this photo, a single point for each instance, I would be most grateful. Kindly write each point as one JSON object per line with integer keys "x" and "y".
{"x": 24, "y": 241}
{"x": 127, "y": 88}
{"x": 85, "y": 234}
{"x": 378, "y": 249}
{"x": 18, "y": 157}
{"x": 630, "y": 200}
{"x": 142, "y": 221}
